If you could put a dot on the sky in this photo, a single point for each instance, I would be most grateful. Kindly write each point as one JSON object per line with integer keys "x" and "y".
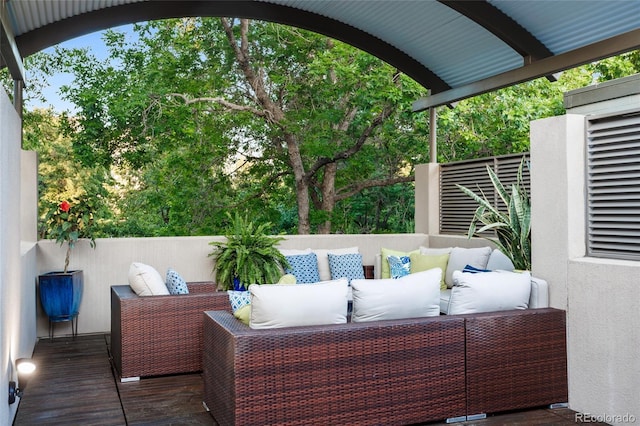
{"x": 96, "y": 45}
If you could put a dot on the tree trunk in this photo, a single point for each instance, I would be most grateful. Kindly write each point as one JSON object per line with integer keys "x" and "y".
{"x": 302, "y": 184}
{"x": 328, "y": 196}
{"x": 272, "y": 114}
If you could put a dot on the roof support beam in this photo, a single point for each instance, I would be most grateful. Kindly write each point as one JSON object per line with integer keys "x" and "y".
{"x": 593, "y": 52}
{"x": 8, "y": 48}
{"x": 502, "y": 26}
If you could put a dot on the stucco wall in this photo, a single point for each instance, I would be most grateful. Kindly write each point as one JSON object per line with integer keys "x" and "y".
{"x": 601, "y": 296}
{"x": 604, "y": 330}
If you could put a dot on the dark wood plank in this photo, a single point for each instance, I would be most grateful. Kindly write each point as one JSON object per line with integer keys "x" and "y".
{"x": 165, "y": 400}
{"x": 75, "y": 385}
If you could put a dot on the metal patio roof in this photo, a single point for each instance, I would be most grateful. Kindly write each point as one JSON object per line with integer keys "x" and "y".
{"x": 455, "y": 48}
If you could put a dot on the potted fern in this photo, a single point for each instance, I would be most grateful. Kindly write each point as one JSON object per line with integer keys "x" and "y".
{"x": 512, "y": 226}
{"x": 248, "y": 255}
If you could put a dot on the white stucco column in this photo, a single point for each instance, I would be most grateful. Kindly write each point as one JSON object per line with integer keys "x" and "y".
{"x": 427, "y": 199}
{"x": 558, "y": 200}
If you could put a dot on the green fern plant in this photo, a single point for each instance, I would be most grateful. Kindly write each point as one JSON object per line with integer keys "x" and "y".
{"x": 513, "y": 226}
{"x": 249, "y": 255}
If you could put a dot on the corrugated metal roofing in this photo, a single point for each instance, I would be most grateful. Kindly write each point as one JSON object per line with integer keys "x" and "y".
{"x": 456, "y": 48}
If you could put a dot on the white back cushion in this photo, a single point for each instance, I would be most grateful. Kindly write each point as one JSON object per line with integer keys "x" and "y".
{"x": 146, "y": 281}
{"x": 412, "y": 296}
{"x": 277, "y": 305}
{"x": 499, "y": 260}
{"x": 489, "y": 292}
{"x": 461, "y": 257}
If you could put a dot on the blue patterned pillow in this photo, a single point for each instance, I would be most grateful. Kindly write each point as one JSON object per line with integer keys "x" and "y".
{"x": 399, "y": 266}
{"x": 175, "y": 283}
{"x": 304, "y": 267}
{"x": 238, "y": 299}
{"x": 347, "y": 266}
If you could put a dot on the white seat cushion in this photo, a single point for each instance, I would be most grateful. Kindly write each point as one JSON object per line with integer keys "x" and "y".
{"x": 445, "y": 296}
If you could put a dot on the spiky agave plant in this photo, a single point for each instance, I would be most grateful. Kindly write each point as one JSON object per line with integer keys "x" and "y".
{"x": 248, "y": 254}
{"x": 513, "y": 226}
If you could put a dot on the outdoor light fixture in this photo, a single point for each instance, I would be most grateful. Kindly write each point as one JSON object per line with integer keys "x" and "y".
{"x": 25, "y": 367}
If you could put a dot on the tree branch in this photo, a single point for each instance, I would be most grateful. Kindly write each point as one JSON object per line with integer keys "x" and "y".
{"x": 220, "y": 101}
{"x": 343, "y": 155}
{"x": 351, "y": 190}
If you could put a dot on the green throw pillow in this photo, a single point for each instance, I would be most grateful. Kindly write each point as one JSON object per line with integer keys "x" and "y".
{"x": 243, "y": 314}
{"x": 385, "y": 271}
{"x": 424, "y": 262}
{"x": 288, "y": 279}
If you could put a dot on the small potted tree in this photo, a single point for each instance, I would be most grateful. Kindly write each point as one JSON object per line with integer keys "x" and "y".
{"x": 61, "y": 291}
{"x": 512, "y": 225}
{"x": 248, "y": 255}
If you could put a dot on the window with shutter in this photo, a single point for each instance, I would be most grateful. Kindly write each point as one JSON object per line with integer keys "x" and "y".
{"x": 613, "y": 185}
{"x": 456, "y": 208}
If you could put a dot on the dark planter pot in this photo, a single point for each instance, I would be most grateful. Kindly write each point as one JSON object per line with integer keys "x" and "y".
{"x": 237, "y": 285}
{"x": 61, "y": 294}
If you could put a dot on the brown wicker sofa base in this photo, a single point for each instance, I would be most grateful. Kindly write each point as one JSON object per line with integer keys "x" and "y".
{"x": 516, "y": 360}
{"x": 157, "y": 335}
{"x": 386, "y": 372}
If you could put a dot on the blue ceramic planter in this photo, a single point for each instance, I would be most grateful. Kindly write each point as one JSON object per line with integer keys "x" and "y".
{"x": 61, "y": 294}
{"x": 237, "y": 285}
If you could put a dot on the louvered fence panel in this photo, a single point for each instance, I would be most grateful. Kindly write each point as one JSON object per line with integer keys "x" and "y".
{"x": 613, "y": 186}
{"x": 456, "y": 208}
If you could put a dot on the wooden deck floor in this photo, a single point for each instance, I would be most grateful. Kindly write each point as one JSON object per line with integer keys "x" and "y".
{"x": 75, "y": 385}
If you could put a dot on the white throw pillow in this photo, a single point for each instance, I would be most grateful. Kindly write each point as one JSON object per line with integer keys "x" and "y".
{"x": 276, "y": 305}
{"x": 461, "y": 257}
{"x": 323, "y": 259}
{"x": 146, "y": 281}
{"x": 412, "y": 296}
{"x": 489, "y": 292}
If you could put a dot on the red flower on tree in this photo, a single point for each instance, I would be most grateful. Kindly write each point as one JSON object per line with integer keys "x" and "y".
{"x": 67, "y": 225}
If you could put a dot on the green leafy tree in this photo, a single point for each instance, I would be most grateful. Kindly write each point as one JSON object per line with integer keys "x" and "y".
{"x": 318, "y": 115}
{"x": 261, "y": 112}
{"x": 63, "y": 181}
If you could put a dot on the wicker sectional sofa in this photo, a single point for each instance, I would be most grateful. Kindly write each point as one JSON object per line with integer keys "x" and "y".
{"x": 387, "y": 372}
{"x": 156, "y": 335}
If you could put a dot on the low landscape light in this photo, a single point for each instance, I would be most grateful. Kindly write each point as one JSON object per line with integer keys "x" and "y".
{"x": 25, "y": 367}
